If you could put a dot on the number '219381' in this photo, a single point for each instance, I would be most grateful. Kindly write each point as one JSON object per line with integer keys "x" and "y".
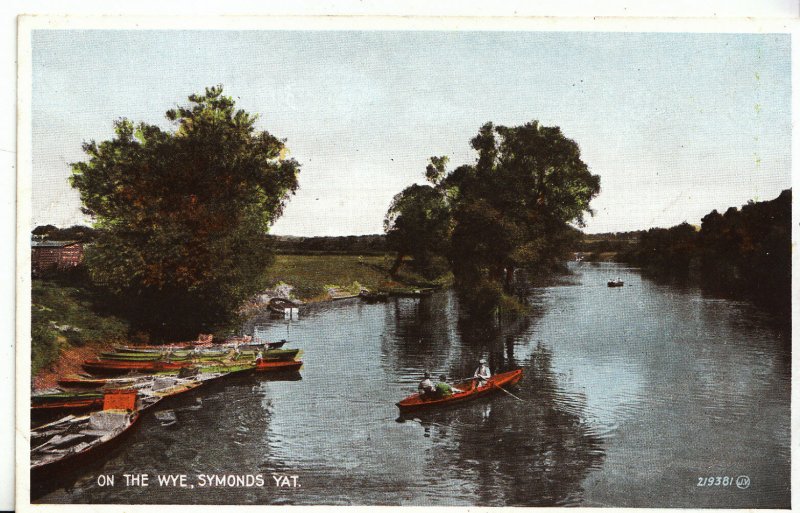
{"x": 741, "y": 481}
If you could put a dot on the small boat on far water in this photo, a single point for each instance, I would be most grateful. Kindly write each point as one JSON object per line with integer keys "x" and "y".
{"x": 616, "y": 283}
{"x": 470, "y": 388}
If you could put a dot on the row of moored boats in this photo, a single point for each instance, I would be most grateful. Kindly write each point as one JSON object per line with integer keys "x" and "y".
{"x": 95, "y": 410}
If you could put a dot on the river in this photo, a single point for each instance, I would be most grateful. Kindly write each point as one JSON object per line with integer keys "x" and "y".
{"x": 631, "y": 396}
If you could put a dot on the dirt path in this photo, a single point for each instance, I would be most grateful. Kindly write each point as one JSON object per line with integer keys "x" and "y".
{"x": 69, "y": 362}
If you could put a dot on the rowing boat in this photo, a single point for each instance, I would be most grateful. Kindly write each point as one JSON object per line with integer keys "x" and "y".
{"x": 118, "y": 367}
{"x": 279, "y": 365}
{"x": 65, "y": 444}
{"x": 470, "y": 388}
{"x": 71, "y": 441}
{"x": 61, "y": 402}
{"x": 280, "y": 354}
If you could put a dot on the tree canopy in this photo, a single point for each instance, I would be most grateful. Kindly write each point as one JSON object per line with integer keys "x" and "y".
{"x": 182, "y": 215}
{"x": 417, "y": 223}
{"x": 512, "y": 208}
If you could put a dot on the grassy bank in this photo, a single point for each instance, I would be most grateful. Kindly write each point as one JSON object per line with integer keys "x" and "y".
{"x": 67, "y": 316}
{"x": 312, "y": 275}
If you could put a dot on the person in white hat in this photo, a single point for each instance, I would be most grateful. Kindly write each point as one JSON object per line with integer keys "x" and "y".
{"x": 482, "y": 373}
{"x": 426, "y": 387}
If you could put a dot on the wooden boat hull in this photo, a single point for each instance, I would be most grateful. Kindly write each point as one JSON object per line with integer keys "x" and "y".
{"x": 411, "y": 293}
{"x": 46, "y": 471}
{"x": 66, "y": 402}
{"x": 418, "y": 401}
{"x": 275, "y": 366}
{"x": 374, "y": 297}
{"x": 616, "y": 283}
{"x": 81, "y": 382}
{"x": 77, "y": 405}
{"x": 280, "y": 354}
{"x": 118, "y": 367}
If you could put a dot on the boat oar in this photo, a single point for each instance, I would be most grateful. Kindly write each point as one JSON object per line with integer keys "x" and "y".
{"x": 415, "y": 419}
{"x": 402, "y": 419}
{"x": 509, "y": 393}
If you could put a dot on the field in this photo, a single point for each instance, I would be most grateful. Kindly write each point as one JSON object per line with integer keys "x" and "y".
{"x": 312, "y": 275}
{"x": 69, "y": 316}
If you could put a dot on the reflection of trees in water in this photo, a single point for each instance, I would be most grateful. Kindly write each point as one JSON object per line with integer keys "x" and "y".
{"x": 429, "y": 334}
{"x": 535, "y": 453}
{"x": 490, "y": 339}
{"x": 417, "y": 332}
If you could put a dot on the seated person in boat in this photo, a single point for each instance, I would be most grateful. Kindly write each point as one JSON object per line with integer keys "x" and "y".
{"x": 426, "y": 387}
{"x": 444, "y": 389}
{"x": 259, "y": 356}
{"x": 482, "y": 373}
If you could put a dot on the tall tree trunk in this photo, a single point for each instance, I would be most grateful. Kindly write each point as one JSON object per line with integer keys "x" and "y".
{"x": 396, "y": 266}
{"x": 509, "y": 279}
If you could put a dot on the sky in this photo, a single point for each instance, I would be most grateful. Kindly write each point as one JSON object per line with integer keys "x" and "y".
{"x": 675, "y": 124}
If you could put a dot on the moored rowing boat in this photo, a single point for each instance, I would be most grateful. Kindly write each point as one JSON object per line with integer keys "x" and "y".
{"x": 278, "y": 365}
{"x": 61, "y": 445}
{"x": 118, "y": 367}
{"x": 470, "y": 388}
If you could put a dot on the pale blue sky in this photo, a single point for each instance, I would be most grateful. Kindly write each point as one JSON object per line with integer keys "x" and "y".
{"x": 675, "y": 124}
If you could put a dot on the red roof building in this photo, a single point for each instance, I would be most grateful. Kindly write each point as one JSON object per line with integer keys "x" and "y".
{"x": 57, "y": 254}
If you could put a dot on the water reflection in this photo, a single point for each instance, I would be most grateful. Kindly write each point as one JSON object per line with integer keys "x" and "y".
{"x": 629, "y": 394}
{"x": 531, "y": 453}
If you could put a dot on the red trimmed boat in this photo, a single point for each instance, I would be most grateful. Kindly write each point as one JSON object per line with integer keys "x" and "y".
{"x": 65, "y": 402}
{"x": 470, "y": 388}
{"x": 278, "y": 365}
{"x": 97, "y": 366}
{"x": 85, "y": 381}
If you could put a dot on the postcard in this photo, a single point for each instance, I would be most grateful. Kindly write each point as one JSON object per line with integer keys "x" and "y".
{"x": 384, "y": 261}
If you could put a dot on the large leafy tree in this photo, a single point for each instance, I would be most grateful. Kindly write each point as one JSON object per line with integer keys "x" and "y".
{"x": 513, "y": 208}
{"x": 417, "y": 225}
{"x": 418, "y": 222}
{"x": 183, "y": 214}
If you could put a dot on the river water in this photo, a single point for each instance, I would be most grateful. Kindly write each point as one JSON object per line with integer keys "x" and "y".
{"x": 630, "y": 396}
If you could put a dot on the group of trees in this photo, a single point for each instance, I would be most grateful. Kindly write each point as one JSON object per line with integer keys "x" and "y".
{"x": 182, "y": 215}
{"x": 341, "y": 245}
{"x": 78, "y": 233}
{"x": 747, "y": 249}
{"x": 513, "y": 208}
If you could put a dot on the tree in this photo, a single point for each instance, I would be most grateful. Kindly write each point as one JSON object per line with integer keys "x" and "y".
{"x": 513, "y": 207}
{"x": 417, "y": 225}
{"x": 183, "y": 215}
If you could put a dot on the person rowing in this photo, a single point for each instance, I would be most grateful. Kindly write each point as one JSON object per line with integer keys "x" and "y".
{"x": 482, "y": 373}
{"x": 445, "y": 389}
{"x": 426, "y": 387}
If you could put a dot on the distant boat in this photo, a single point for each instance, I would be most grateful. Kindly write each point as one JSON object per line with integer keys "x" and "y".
{"x": 278, "y": 305}
{"x": 616, "y": 283}
{"x": 373, "y": 297}
{"x": 411, "y": 292}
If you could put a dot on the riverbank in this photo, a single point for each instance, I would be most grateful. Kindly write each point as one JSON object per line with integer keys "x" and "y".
{"x": 315, "y": 278}
{"x": 70, "y": 323}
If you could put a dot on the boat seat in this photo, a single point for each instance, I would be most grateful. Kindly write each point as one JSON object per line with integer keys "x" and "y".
{"x": 107, "y": 420}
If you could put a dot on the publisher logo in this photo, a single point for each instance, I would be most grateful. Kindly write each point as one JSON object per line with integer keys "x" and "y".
{"x": 743, "y": 482}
